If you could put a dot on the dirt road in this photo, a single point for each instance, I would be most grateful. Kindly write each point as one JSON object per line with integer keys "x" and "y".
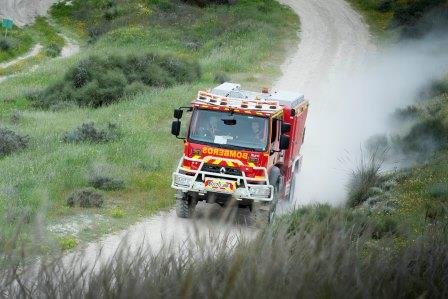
{"x": 333, "y": 38}
{"x": 334, "y": 43}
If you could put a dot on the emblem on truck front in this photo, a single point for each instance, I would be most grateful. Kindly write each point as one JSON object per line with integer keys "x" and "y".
{"x": 222, "y": 170}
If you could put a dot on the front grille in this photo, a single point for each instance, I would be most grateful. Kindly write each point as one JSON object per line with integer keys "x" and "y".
{"x": 222, "y": 170}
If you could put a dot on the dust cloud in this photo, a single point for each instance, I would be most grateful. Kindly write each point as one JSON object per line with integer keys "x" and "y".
{"x": 353, "y": 106}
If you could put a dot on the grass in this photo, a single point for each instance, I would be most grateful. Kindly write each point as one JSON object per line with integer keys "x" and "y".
{"x": 241, "y": 40}
{"x": 421, "y": 189}
{"x": 403, "y": 19}
{"x": 379, "y": 21}
{"x": 25, "y": 38}
{"x": 330, "y": 252}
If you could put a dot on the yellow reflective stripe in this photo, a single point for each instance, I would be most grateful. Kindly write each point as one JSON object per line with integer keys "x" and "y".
{"x": 230, "y": 163}
{"x": 196, "y": 157}
{"x": 216, "y": 162}
{"x": 251, "y": 164}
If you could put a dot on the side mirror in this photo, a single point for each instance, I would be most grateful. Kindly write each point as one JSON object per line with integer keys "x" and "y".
{"x": 229, "y": 122}
{"x": 175, "y": 127}
{"x": 286, "y": 128}
{"x": 178, "y": 113}
{"x": 284, "y": 142}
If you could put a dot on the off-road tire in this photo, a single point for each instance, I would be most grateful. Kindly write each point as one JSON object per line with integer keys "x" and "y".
{"x": 260, "y": 215}
{"x": 263, "y": 213}
{"x": 293, "y": 184}
{"x": 292, "y": 187}
{"x": 185, "y": 206}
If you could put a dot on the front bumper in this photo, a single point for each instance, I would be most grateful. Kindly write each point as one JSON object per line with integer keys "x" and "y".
{"x": 187, "y": 180}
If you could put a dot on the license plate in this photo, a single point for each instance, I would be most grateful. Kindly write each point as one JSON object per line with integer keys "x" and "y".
{"x": 219, "y": 185}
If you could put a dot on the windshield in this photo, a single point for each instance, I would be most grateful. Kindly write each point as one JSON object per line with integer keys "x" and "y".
{"x": 229, "y": 130}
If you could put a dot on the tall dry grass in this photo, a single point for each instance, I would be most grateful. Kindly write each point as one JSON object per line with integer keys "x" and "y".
{"x": 328, "y": 253}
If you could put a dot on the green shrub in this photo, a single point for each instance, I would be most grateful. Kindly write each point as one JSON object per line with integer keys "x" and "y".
{"x": 102, "y": 176}
{"x": 135, "y": 88}
{"x": 439, "y": 191}
{"x": 428, "y": 133}
{"x": 96, "y": 82}
{"x": 111, "y": 13}
{"x": 5, "y": 44}
{"x": 385, "y": 226}
{"x": 15, "y": 117}
{"x": 117, "y": 213}
{"x": 166, "y": 6}
{"x": 203, "y": 3}
{"x": 85, "y": 198}
{"x": 11, "y": 142}
{"x": 364, "y": 178}
{"x": 221, "y": 78}
{"x": 408, "y": 113}
{"x": 88, "y": 132}
{"x": 53, "y": 50}
{"x": 436, "y": 211}
{"x": 18, "y": 214}
{"x": 67, "y": 242}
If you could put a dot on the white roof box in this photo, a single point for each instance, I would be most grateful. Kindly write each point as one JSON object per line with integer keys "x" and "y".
{"x": 233, "y": 90}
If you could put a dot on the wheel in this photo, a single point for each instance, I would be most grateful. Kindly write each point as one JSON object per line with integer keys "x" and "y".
{"x": 292, "y": 187}
{"x": 185, "y": 205}
{"x": 263, "y": 212}
{"x": 260, "y": 215}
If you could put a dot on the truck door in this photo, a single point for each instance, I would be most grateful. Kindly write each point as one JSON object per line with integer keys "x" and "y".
{"x": 274, "y": 156}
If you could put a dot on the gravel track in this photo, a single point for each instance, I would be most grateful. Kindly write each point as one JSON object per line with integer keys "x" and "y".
{"x": 333, "y": 38}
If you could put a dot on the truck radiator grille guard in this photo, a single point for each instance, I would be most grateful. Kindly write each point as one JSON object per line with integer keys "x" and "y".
{"x": 189, "y": 180}
{"x": 221, "y": 170}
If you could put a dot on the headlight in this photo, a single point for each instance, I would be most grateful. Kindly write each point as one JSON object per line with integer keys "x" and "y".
{"x": 182, "y": 180}
{"x": 261, "y": 191}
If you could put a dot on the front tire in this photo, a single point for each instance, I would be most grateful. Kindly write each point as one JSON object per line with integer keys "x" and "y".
{"x": 263, "y": 213}
{"x": 185, "y": 205}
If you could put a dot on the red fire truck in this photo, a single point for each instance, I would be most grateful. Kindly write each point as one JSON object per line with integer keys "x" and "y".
{"x": 240, "y": 147}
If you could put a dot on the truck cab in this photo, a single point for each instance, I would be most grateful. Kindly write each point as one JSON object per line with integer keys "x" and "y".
{"x": 240, "y": 147}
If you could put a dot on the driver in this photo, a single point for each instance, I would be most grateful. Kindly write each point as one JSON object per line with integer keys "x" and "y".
{"x": 210, "y": 129}
{"x": 257, "y": 133}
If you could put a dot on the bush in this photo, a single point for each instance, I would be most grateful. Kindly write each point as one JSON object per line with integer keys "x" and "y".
{"x": 95, "y": 82}
{"x": 11, "y": 142}
{"x": 117, "y": 213}
{"x": 68, "y": 242}
{"x": 439, "y": 191}
{"x": 88, "y": 132}
{"x": 5, "y": 44}
{"x": 15, "y": 117}
{"x": 364, "y": 178}
{"x": 102, "y": 176}
{"x": 85, "y": 198}
{"x": 428, "y": 133}
{"x": 386, "y": 226}
{"x": 53, "y": 50}
{"x": 203, "y": 3}
{"x": 221, "y": 78}
{"x": 18, "y": 214}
